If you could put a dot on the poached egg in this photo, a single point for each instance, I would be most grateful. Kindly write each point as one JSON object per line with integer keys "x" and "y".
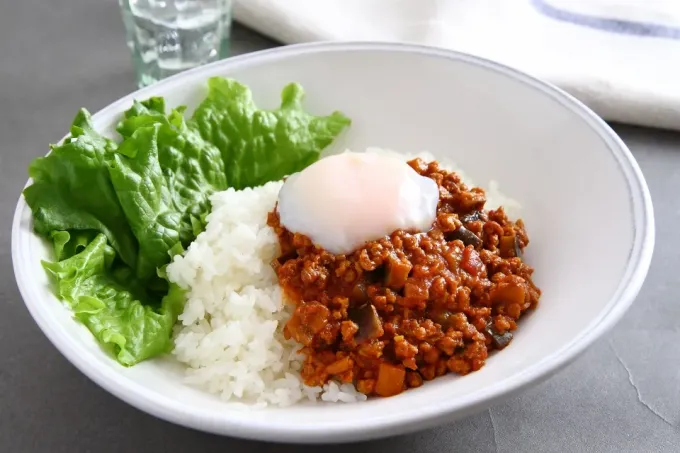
{"x": 343, "y": 201}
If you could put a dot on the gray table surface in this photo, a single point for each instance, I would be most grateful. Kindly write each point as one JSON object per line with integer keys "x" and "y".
{"x": 623, "y": 394}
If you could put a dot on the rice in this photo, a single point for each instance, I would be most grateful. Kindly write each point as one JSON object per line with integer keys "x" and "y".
{"x": 230, "y": 334}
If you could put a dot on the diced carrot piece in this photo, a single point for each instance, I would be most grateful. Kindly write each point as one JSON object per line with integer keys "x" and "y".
{"x": 340, "y": 366}
{"x": 390, "y": 379}
{"x": 508, "y": 293}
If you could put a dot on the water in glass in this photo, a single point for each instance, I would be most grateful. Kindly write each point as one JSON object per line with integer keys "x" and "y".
{"x": 170, "y": 36}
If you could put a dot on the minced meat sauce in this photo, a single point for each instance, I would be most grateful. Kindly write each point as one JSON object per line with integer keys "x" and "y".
{"x": 412, "y": 306}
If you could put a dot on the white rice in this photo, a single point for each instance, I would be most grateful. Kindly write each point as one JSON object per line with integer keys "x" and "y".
{"x": 230, "y": 335}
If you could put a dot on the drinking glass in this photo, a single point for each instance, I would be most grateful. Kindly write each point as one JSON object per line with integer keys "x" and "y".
{"x": 169, "y": 36}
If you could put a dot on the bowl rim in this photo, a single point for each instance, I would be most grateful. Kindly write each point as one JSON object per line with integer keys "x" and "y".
{"x": 166, "y": 408}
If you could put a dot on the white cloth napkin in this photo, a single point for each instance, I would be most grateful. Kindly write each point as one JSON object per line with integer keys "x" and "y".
{"x": 620, "y": 57}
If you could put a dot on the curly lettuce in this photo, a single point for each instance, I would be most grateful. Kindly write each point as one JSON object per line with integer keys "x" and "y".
{"x": 132, "y": 329}
{"x": 72, "y": 190}
{"x": 259, "y": 146}
{"x": 116, "y": 212}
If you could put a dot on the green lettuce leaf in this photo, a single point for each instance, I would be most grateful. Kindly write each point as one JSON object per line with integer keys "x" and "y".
{"x": 116, "y": 214}
{"x": 259, "y": 146}
{"x": 143, "y": 113}
{"x": 67, "y": 244}
{"x": 163, "y": 174}
{"x": 72, "y": 190}
{"x": 131, "y": 329}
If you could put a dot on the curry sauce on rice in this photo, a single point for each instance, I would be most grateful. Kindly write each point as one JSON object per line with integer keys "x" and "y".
{"x": 411, "y": 306}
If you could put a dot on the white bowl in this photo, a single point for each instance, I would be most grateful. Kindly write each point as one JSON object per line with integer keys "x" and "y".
{"x": 585, "y": 202}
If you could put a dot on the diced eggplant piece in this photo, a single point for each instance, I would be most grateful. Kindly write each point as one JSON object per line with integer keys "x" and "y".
{"x": 375, "y": 276}
{"x": 397, "y": 271}
{"x": 281, "y": 260}
{"x": 442, "y": 317}
{"x": 499, "y": 341}
{"x": 466, "y": 236}
{"x": 471, "y": 217}
{"x": 368, "y": 320}
{"x": 359, "y": 294}
{"x": 518, "y": 249}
